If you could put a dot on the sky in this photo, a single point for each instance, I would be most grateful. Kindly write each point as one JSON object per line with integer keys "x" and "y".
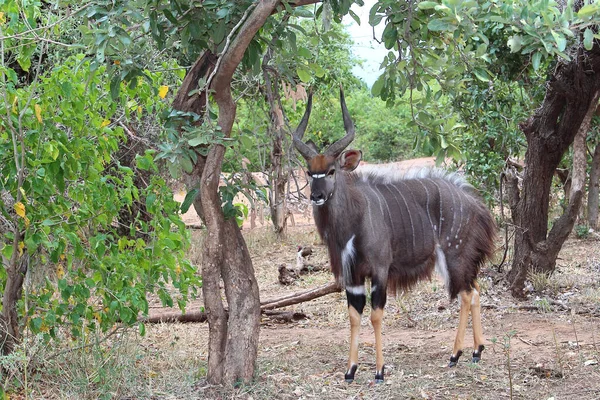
{"x": 365, "y": 47}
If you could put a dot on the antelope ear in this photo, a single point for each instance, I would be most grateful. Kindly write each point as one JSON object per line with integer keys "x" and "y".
{"x": 350, "y": 159}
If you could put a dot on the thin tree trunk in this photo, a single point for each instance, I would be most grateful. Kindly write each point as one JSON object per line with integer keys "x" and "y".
{"x": 593, "y": 191}
{"x": 568, "y": 106}
{"x": 10, "y": 331}
{"x": 277, "y": 201}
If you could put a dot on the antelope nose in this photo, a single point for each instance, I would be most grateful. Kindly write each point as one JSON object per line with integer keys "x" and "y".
{"x": 316, "y": 197}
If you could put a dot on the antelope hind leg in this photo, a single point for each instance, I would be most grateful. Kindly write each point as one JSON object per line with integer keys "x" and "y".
{"x": 378, "y": 300}
{"x": 477, "y": 330}
{"x": 356, "y": 304}
{"x": 465, "y": 307}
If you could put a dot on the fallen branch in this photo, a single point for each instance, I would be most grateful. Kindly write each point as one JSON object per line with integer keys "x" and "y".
{"x": 563, "y": 308}
{"x": 265, "y": 307}
{"x": 300, "y": 297}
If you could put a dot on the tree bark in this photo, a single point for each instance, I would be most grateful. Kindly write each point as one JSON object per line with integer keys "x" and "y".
{"x": 567, "y": 107}
{"x": 10, "y": 331}
{"x": 593, "y": 189}
{"x": 233, "y": 342}
{"x": 278, "y": 178}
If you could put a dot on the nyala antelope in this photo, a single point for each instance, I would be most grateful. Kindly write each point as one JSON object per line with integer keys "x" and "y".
{"x": 395, "y": 230}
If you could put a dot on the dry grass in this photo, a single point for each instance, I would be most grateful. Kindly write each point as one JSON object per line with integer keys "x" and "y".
{"x": 552, "y": 354}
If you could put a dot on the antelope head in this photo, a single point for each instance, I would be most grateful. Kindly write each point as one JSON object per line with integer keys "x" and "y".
{"x": 322, "y": 168}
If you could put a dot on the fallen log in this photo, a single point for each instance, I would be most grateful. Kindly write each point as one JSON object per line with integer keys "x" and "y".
{"x": 265, "y": 307}
{"x": 301, "y": 297}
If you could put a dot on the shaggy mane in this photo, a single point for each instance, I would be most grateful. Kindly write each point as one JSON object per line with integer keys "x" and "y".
{"x": 389, "y": 173}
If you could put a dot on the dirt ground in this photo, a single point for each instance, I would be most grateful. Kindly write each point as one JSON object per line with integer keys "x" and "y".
{"x": 547, "y": 347}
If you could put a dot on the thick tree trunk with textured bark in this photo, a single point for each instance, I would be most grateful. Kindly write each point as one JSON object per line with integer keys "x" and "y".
{"x": 233, "y": 337}
{"x": 593, "y": 189}
{"x": 566, "y": 110}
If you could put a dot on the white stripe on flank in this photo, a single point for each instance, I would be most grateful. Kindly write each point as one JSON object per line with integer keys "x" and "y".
{"x": 409, "y": 217}
{"x": 355, "y": 290}
{"x": 441, "y": 206}
{"x": 348, "y": 254}
{"x": 441, "y": 267}
{"x": 451, "y": 189}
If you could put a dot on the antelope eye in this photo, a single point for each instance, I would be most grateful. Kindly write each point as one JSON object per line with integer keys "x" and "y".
{"x": 331, "y": 172}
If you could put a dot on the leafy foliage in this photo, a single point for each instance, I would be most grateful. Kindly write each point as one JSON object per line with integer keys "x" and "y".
{"x": 89, "y": 276}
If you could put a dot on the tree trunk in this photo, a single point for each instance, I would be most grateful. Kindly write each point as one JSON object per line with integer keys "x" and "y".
{"x": 277, "y": 200}
{"x": 10, "y": 331}
{"x": 567, "y": 108}
{"x": 593, "y": 190}
{"x": 233, "y": 340}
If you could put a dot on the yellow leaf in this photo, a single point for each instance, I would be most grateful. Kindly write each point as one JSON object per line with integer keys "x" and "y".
{"x": 14, "y": 104}
{"x": 20, "y": 209}
{"x": 139, "y": 109}
{"x": 60, "y": 271}
{"x": 38, "y": 112}
{"x": 21, "y": 247}
{"x": 104, "y": 123}
{"x": 178, "y": 269}
{"x": 2, "y": 18}
{"x": 162, "y": 91}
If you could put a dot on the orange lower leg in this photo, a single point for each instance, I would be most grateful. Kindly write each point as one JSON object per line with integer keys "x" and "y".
{"x": 376, "y": 320}
{"x": 465, "y": 307}
{"x": 354, "y": 330}
{"x": 477, "y": 330}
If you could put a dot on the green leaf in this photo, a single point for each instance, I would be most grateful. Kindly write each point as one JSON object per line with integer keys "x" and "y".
{"x": 186, "y": 164}
{"x": 355, "y": 17}
{"x": 561, "y": 41}
{"x": 378, "y": 85}
{"x": 189, "y": 199}
{"x": 587, "y": 11}
{"x": 481, "y": 74}
{"x": 115, "y": 87}
{"x": 246, "y": 142}
{"x": 588, "y": 39}
{"x": 439, "y": 25}
{"x": 536, "y": 60}
{"x": 304, "y": 52}
{"x": 198, "y": 140}
{"x": 427, "y": 5}
{"x": 150, "y": 199}
{"x": 317, "y": 69}
{"x": 303, "y": 74}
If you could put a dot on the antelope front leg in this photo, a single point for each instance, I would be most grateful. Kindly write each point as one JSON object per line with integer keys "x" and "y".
{"x": 356, "y": 304}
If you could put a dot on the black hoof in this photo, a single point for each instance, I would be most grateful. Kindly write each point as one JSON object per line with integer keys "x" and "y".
{"x": 379, "y": 375}
{"x": 349, "y": 376}
{"x": 454, "y": 359}
{"x": 477, "y": 353}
